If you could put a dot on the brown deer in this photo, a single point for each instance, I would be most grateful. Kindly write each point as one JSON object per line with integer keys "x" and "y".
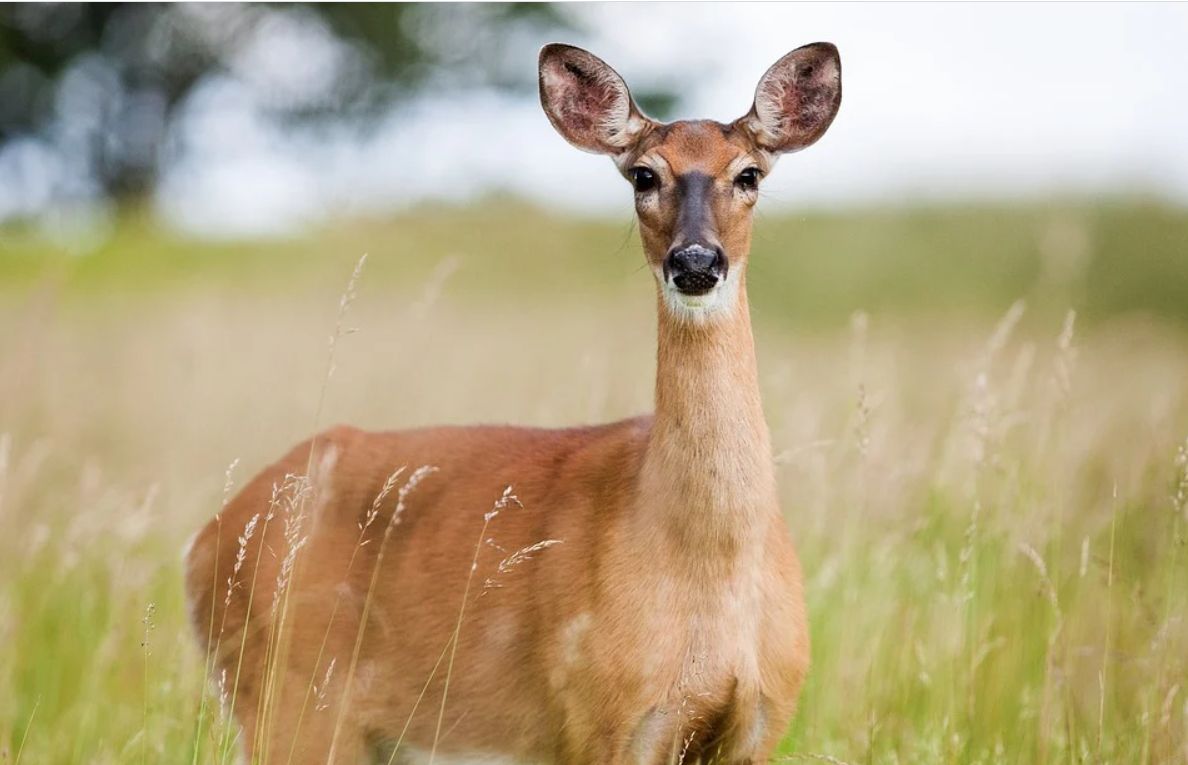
{"x": 661, "y": 616}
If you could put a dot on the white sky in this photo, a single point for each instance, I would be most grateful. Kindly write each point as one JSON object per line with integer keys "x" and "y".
{"x": 941, "y": 101}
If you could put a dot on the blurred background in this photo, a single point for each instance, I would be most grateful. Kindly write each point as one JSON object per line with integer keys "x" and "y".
{"x": 230, "y": 119}
{"x": 1059, "y": 148}
{"x": 971, "y": 300}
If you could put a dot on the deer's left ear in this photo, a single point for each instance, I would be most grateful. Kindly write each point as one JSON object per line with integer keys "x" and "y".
{"x": 587, "y": 101}
{"x": 797, "y": 99}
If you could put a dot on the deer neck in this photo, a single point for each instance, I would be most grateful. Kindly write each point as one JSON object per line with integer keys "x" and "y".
{"x": 707, "y": 476}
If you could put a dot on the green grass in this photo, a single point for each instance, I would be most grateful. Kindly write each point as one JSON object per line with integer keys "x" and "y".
{"x": 815, "y": 268}
{"x": 992, "y": 532}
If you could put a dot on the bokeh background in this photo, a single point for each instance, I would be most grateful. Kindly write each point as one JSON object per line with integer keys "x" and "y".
{"x": 971, "y": 300}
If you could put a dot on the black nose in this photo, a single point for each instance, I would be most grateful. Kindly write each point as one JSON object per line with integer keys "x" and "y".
{"x": 695, "y": 269}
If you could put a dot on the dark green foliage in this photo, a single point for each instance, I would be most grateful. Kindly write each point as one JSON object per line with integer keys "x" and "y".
{"x": 132, "y": 66}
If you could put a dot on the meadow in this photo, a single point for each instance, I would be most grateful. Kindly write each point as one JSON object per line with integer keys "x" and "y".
{"x": 980, "y": 418}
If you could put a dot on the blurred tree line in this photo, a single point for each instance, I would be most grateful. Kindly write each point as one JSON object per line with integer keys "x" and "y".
{"x": 101, "y": 86}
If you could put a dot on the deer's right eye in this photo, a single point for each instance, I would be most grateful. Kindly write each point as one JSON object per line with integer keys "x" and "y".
{"x": 643, "y": 179}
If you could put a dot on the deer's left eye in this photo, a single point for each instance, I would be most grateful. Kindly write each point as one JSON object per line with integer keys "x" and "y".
{"x": 748, "y": 179}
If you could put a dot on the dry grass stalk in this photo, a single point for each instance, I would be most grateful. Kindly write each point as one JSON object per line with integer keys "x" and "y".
{"x": 372, "y": 513}
{"x": 402, "y": 495}
{"x": 506, "y": 500}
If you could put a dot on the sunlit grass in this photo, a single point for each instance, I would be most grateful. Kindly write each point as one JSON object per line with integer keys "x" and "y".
{"x": 990, "y": 511}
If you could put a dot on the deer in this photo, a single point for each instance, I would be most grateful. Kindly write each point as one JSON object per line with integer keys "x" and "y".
{"x": 661, "y": 616}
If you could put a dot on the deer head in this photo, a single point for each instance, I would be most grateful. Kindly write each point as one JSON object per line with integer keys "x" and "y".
{"x": 697, "y": 181}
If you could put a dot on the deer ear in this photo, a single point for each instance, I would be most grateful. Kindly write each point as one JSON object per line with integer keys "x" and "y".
{"x": 587, "y": 101}
{"x": 797, "y": 99}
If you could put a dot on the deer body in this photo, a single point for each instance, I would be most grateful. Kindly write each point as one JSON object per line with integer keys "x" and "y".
{"x": 655, "y": 614}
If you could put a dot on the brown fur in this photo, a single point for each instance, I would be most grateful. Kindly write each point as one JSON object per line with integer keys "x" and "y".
{"x": 667, "y": 623}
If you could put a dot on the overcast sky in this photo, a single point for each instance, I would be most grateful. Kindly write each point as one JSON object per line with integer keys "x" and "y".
{"x": 940, "y": 102}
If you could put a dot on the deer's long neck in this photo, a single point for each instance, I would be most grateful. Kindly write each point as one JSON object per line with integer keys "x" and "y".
{"x": 707, "y": 476}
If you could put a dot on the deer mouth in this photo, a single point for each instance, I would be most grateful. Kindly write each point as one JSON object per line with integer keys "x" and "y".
{"x": 701, "y": 298}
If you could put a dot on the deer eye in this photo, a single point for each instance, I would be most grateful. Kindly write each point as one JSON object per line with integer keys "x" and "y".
{"x": 748, "y": 179}
{"x": 642, "y": 178}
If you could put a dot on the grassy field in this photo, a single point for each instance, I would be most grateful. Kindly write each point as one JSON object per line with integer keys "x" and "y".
{"x": 989, "y": 492}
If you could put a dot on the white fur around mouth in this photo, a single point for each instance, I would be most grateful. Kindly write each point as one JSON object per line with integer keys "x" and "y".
{"x": 705, "y": 300}
{"x": 699, "y": 308}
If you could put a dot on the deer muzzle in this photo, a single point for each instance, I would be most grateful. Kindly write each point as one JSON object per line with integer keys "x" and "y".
{"x": 695, "y": 269}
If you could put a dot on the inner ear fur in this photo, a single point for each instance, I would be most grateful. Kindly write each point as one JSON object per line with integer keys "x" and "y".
{"x": 797, "y": 99}
{"x": 587, "y": 101}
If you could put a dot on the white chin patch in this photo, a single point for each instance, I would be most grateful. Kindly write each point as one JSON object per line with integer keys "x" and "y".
{"x": 699, "y": 309}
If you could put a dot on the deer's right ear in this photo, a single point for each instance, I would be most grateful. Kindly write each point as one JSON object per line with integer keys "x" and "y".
{"x": 587, "y": 101}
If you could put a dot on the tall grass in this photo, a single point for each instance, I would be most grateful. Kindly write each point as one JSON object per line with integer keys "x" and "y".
{"x": 990, "y": 510}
